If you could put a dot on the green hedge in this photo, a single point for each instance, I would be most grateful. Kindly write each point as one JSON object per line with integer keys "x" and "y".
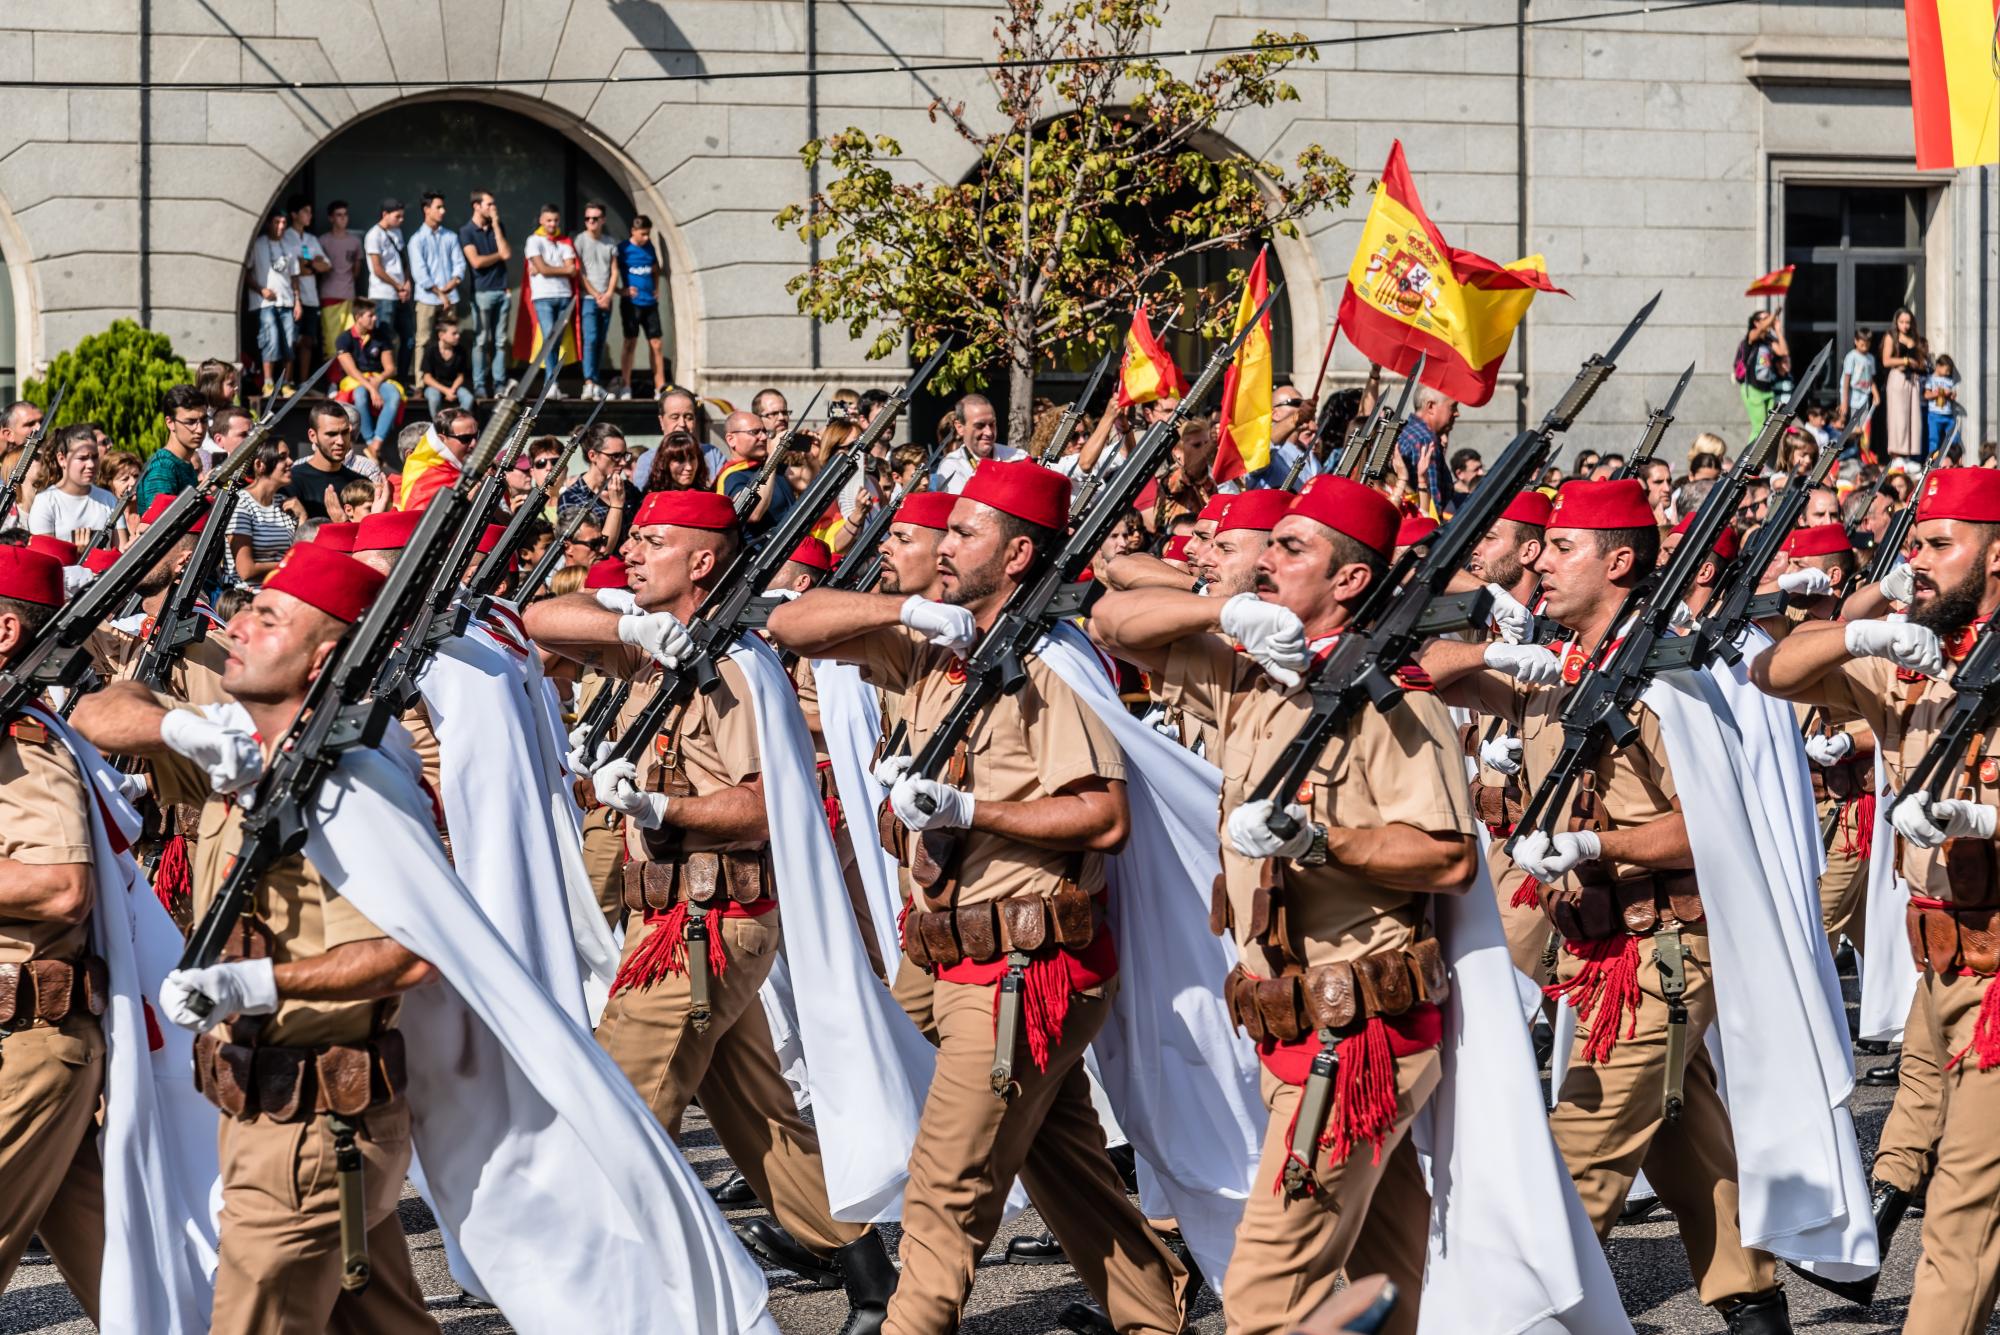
{"x": 115, "y": 379}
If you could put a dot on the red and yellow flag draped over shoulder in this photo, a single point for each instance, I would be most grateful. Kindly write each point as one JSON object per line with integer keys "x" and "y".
{"x": 1148, "y": 371}
{"x": 1954, "y": 93}
{"x": 1410, "y": 293}
{"x": 528, "y": 331}
{"x": 1244, "y": 442}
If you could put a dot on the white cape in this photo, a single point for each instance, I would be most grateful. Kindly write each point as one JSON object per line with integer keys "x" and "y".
{"x": 158, "y": 1137}
{"x": 558, "y": 1183}
{"x": 1888, "y": 976}
{"x": 852, "y": 725}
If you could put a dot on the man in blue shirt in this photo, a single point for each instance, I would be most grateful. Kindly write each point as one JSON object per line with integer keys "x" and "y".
{"x": 437, "y": 271}
{"x": 749, "y": 444}
{"x": 639, "y": 312}
{"x": 483, "y": 243}
{"x": 1426, "y": 431}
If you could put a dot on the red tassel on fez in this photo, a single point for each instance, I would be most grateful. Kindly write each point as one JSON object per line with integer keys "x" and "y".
{"x": 1607, "y": 984}
{"x": 1527, "y": 895}
{"x": 1985, "y": 1045}
{"x": 664, "y": 950}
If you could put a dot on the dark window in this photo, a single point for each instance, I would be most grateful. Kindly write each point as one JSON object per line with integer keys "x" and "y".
{"x": 1860, "y": 255}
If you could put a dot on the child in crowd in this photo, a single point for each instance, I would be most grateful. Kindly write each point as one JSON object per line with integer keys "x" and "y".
{"x": 1941, "y": 399}
{"x": 442, "y": 373}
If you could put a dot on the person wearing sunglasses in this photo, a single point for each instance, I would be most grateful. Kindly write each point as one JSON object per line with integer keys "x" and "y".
{"x": 605, "y": 486}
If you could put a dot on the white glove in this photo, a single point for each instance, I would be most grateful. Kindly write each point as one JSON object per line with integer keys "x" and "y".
{"x": 238, "y": 987}
{"x": 1549, "y": 860}
{"x": 231, "y": 758}
{"x": 1502, "y": 754}
{"x": 782, "y": 595}
{"x": 132, "y": 787}
{"x": 1529, "y": 664}
{"x": 1903, "y": 643}
{"x": 1927, "y": 823}
{"x": 1510, "y": 616}
{"x": 1250, "y": 831}
{"x": 1899, "y": 585}
{"x": 579, "y": 763}
{"x": 660, "y": 635}
{"x": 76, "y": 579}
{"x": 1682, "y": 619}
{"x": 619, "y": 600}
{"x": 1806, "y": 581}
{"x": 616, "y": 783}
{"x": 942, "y": 624}
{"x": 891, "y": 768}
{"x": 1269, "y": 633}
{"x": 951, "y": 808}
{"x": 1829, "y": 748}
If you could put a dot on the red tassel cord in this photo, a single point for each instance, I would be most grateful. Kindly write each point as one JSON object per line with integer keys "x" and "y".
{"x": 1364, "y": 1101}
{"x": 1044, "y": 1005}
{"x": 664, "y": 951}
{"x": 1857, "y": 825}
{"x": 1527, "y": 895}
{"x": 903, "y": 922}
{"x": 173, "y": 879}
{"x": 1608, "y": 984}
{"x": 1984, "y": 1048}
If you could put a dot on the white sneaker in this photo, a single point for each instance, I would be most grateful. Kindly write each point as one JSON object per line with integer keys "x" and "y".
{"x": 624, "y": 392}
{"x": 591, "y": 391}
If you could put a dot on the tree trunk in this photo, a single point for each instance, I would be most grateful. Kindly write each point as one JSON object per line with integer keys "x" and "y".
{"x": 1020, "y": 401}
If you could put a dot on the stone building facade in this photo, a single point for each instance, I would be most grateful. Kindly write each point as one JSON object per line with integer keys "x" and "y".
{"x": 1687, "y": 151}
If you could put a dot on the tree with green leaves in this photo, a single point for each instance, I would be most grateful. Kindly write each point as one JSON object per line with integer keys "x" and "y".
{"x": 115, "y": 379}
{"x": 1094, "y": 178}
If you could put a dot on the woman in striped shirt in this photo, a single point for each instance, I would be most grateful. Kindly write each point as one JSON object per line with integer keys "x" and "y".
{"x": 260, "y": 531}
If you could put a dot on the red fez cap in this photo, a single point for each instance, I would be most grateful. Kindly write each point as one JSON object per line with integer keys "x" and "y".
{"x": 490, "y": 538}
{"x": 31, "y": 576}
{"x": 814, "y": 553}
{"x": 606, "y": 574}
{"x": 336, "y": 537}
{"x": 335, "y": 583}
{"x": 1176, "y": 548}
{"x": 1961, "y": 493}
{"x": 387, "y": 531}
{"x": 1529, "y": 507}
{"x": 101, "y": 560}
{"x": 1415, "y": 528}
{"x": 1345, "y": 506}
{"x": 1727, "y": 545}
{"x": 1217, "y": 507}
{"x": 159, "y": 507}
{"x": 927, "y": 509}
{"x": 687, "y": 509}
{"x": 1620, "y": 503}
{"x": 1023, "y": 489}
{"x": 66, "y": 552}
{"x": 1819, "y": 540}
{"x": 1256, "y": 510}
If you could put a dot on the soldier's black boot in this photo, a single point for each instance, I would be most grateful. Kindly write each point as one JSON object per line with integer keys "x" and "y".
{"x": 870, "y": 1277}
{"x": 1891, "y": 1204}
{"x": 770, "y": 1243}
{"x": 1763, "y": 1314}
{"x": 733, "y": 1193}
{"x": 1086, "y": 1319}
{"x": 1040, "y": 1249}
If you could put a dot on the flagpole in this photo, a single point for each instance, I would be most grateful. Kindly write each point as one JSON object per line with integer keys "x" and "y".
{"x": 1319, "y": 381}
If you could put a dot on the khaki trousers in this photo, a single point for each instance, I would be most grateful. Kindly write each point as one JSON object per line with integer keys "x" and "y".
{"x": 1958, "y": 1275}
{"x": 1907, "y": 1152}
{"x": 1370, "y": 1214}
{"x": 278, "y": 1269}
{"x": 50, "y": 1179}
{"x": 970, "y": 1147}
{"x": 914, "y": 990}
{"x": 1607, "y": 1125}
{"x": 1843, "y": 887}
{"x": 428, "y": 319}
{"x": 603, "y": 857}
{"x": 733, "y": 1069}
{"x": 1527, "y": 928}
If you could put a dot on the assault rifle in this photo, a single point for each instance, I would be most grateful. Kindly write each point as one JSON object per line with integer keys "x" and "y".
{"x": 342, "y": 708}
{"x": 861, "y": 560}
{"x": 1972, "y": 714}
{"x": 1897, "y": 533}
{"x": 1066, "y": 425}
{"x": 1656, "y": 427}
{"x": 774, "y": 459}
{"x": 493, "y": 569}
{"x": 1365, "y": 455}
{"x": 29, "y": 449}
{"x": 1598, "y": 710}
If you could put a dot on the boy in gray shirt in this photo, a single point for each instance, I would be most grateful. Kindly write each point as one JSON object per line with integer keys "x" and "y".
{"x": 597, "y": 255}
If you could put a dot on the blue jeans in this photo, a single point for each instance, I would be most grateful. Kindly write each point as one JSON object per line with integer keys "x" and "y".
{"x": 596, "y": 323}
{"x": 489, "y": 342}
{"x": 551, "y": 314}
{"x": 435, "y": 398}
{"x": 397, "y": 322}
{"x": 1940, "y": 428}
{"x": 376, "y": 424}
{"x": 274, "y": 334}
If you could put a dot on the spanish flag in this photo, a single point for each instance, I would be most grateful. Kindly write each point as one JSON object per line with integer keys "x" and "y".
{"x": 528, "y": 332}
{"x": 428, "y": 471}
{"x": 1411, "y": 293}
{"x": 1773, "y": 284}
{"x": 1148, "y": 371}
{"x": 1244, "y": 445}
{"x": 1954, "y": 93}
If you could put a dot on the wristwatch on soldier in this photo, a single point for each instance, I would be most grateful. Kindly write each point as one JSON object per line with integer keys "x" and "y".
{"x": 1315, "y": 854}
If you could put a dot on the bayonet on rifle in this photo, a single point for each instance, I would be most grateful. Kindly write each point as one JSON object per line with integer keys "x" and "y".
{"x": 1071, "y": 415}
{"x": 29, "y": 449}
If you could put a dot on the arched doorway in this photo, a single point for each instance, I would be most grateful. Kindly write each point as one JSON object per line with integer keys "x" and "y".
{"x": 456, "y": 146}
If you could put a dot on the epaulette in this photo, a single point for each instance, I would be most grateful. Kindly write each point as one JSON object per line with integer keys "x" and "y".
{"x": 29, "y": 731}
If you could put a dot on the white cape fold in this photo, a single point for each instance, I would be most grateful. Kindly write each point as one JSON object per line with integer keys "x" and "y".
{"x": 1888, "y": 976}
{"x": 158, "y": 1137}
{"x": 1787, "y": 1070}
{"x": 867, "y": 1067}
{"x": 560, "y": 1186}
{"x": 852, "y": 725}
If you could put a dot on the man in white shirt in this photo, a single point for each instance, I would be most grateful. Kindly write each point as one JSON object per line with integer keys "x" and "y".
{"x": 552, "y": 283}
{"x": 308, "y": 262}
{"x": 978, "y": 440}
{"x": 389, "y": 280}
{"x": 273, "y": 294}
{"x": 437, "y": 271}
{"x": 73, "y": 508}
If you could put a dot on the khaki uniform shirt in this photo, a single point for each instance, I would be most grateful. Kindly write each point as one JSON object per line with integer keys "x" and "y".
{"x": 424, "y": 737}
{"x": 44, "y": 822}
{"x": 716, "y": 738}
{"x": 1401, "y": 767}
{"x": 305, "y": 915}
{"x": 1029, "y": 745}
{"x": 196, "y": 675}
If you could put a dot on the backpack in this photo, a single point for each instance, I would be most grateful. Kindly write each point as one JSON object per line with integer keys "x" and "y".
{"x": 1741, "y": 371}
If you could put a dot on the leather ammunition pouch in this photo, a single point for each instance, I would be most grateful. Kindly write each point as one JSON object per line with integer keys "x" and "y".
{"x": 708, "y": 879}
{"x": 1498, "y": 808}
{"x": 294, "y": 1084}
{"x": 1838, "y": 783}
{"x": 930, "y": 855}
{"x": 986, "y": 932}
{"x": 1641, "y": 903}
{"x": 1952, "y": 937}
{"x": 1340, "y": 996}
{"x": 50, "y": 991}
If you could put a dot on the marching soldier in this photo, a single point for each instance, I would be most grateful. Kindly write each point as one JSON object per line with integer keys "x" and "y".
{"x": 1896, "y": 675}
{"x": 1335, "y": 964}
{"x": 52, "y": 989}
{"x": 196, "y": 674}
{"x": 603, "y": 839}
{"x": 695, "y": 823}
{"x": 305, "y": 1060}
{"x": 1623, "y": 875}
{"x": 1005, "y": 850}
